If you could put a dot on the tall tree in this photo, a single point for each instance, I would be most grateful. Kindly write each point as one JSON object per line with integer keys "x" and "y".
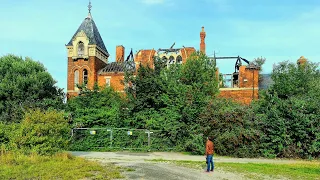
{"x": 259, "y": 62}
{"x": 171, "y": 98}
{"x": 289, "y": 112}
{"x": 25, "y": 83}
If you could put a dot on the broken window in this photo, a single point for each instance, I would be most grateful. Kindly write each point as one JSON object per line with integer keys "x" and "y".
{"x": 179, "y": 59}
{"x": 85, "y": 77}
{"x": 235, "y": 80}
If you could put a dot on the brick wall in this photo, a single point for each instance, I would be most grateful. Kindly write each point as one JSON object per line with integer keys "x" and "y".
{"x": 248, "y": 78}
{"x": 92, "y": 65}
{"x": 248, "y": 86}
{"x": 116, "y": 79}
{"x": 145, "y": 57}
{"x": 242, "y": 95}
{"x": 186, "y": 53}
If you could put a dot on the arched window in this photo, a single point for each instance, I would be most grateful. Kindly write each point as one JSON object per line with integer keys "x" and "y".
{"x": 179, "y": 59}
{"x": 76, "y": 78}
{"x": 80, "y": 49}
{"x": 85, "y": 76}
{"x": 171, "y": 60}
{"x": 164, "y": 58}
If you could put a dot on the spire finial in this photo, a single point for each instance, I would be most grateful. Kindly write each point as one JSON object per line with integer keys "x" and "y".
{"x": 89, "y": 7}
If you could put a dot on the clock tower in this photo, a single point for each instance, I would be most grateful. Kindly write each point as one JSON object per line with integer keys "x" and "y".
{"x": 87, "y": 54}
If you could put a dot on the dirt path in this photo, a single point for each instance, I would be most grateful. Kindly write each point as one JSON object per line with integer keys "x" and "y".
{"x": 145, "y": 169}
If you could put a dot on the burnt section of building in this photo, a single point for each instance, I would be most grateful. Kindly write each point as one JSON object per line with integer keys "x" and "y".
{"x": 243, "y": 84}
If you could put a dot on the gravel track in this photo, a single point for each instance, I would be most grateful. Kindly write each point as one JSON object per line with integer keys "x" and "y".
{"x": 141, "y": 168}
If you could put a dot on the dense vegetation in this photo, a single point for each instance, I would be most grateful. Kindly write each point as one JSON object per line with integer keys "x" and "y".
{"x": 24, "y": 84}
{"x": 179, "y": 103}
{"x": 289, "y": 112}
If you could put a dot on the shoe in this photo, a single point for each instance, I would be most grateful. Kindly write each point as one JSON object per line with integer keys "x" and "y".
{"x": 207, "y": 171}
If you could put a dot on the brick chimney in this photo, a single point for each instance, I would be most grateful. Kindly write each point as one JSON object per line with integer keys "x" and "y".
{"x": 202, "y": 41}
{"x": 119, "y": 53}
{"x": 301, "y": 61}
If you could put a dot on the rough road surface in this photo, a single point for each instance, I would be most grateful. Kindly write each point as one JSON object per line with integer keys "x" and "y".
{"x": 144, "y": 169}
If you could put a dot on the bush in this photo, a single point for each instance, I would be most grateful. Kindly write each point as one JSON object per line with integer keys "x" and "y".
{"x": 42, "y": 132}
{"x": 233, "y": 127}
{"x": 195, "y": 145}
{"x": 289, "y": 112}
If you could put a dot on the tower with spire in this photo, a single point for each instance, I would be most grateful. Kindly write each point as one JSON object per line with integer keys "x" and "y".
{"x": 87, "y": 54}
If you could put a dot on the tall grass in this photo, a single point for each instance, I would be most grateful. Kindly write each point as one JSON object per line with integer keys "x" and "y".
{"x": 59, "y": 166}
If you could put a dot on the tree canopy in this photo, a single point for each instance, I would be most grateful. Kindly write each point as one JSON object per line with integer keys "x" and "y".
{"x": 24, "y": 84}
{"x": 289, "y": 112}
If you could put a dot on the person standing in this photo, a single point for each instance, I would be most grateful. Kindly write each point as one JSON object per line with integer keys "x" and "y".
{"x": 209, "y": 153}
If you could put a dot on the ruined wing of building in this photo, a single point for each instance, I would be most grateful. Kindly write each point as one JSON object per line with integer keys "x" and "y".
{"x": 88, "y": 63}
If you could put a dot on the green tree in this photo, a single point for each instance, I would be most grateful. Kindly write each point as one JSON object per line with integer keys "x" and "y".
{"x": 171, "y": 98}
{"x": 24, "y": 84}
{"x": 233, "y": 126}
{"x": 289, "y": 112}
{"x": 99, "y": 107}
{"x": 259, "y": 62}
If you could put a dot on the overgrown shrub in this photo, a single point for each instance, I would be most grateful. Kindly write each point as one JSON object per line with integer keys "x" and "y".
{"x": 99, "y": 107}
{"x": 289, "y": 112}
{"x": 233, "y": 127}
{"x": 42, "y": 132}
{"x": 7, "y": 132}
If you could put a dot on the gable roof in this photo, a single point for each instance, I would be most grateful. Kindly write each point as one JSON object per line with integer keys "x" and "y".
{"x": 90, "y": 29}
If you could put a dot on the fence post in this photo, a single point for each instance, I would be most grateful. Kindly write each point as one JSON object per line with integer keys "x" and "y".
{"x": 110, "y": 130}
{"x": 149, "y": 142}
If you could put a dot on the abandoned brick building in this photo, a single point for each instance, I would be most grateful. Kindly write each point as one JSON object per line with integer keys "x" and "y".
{"x": 88, "y": 63}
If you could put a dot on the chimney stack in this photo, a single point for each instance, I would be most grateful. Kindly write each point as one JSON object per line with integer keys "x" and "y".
{"x": 119, "y": 53}
{"x": 202, "y": 41}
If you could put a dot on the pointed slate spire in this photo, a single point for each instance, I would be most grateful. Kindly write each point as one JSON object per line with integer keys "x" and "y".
{"x": 89, "y": 27}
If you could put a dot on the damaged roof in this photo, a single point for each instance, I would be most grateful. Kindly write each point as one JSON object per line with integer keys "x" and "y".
{"x": 118, "y": 67}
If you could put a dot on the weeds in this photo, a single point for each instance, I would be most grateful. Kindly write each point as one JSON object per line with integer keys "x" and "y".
{"x": 58, "y": 166}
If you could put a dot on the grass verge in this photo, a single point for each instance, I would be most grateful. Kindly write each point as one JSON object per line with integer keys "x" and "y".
{"x": 59, "y": 166}
{"x": 304, "y": 170}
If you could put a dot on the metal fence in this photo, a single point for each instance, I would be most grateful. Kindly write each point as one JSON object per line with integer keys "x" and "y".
{"x": 119, "y": 138}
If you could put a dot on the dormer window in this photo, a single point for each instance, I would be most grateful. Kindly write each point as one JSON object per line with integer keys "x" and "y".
{"x": 80, "y": 49}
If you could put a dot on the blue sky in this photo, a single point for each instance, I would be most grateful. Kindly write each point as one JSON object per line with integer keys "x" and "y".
{"x": 276, "y": 30}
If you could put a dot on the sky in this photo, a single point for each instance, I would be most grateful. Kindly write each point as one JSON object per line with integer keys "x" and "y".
{"x": 277, "y": 30}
